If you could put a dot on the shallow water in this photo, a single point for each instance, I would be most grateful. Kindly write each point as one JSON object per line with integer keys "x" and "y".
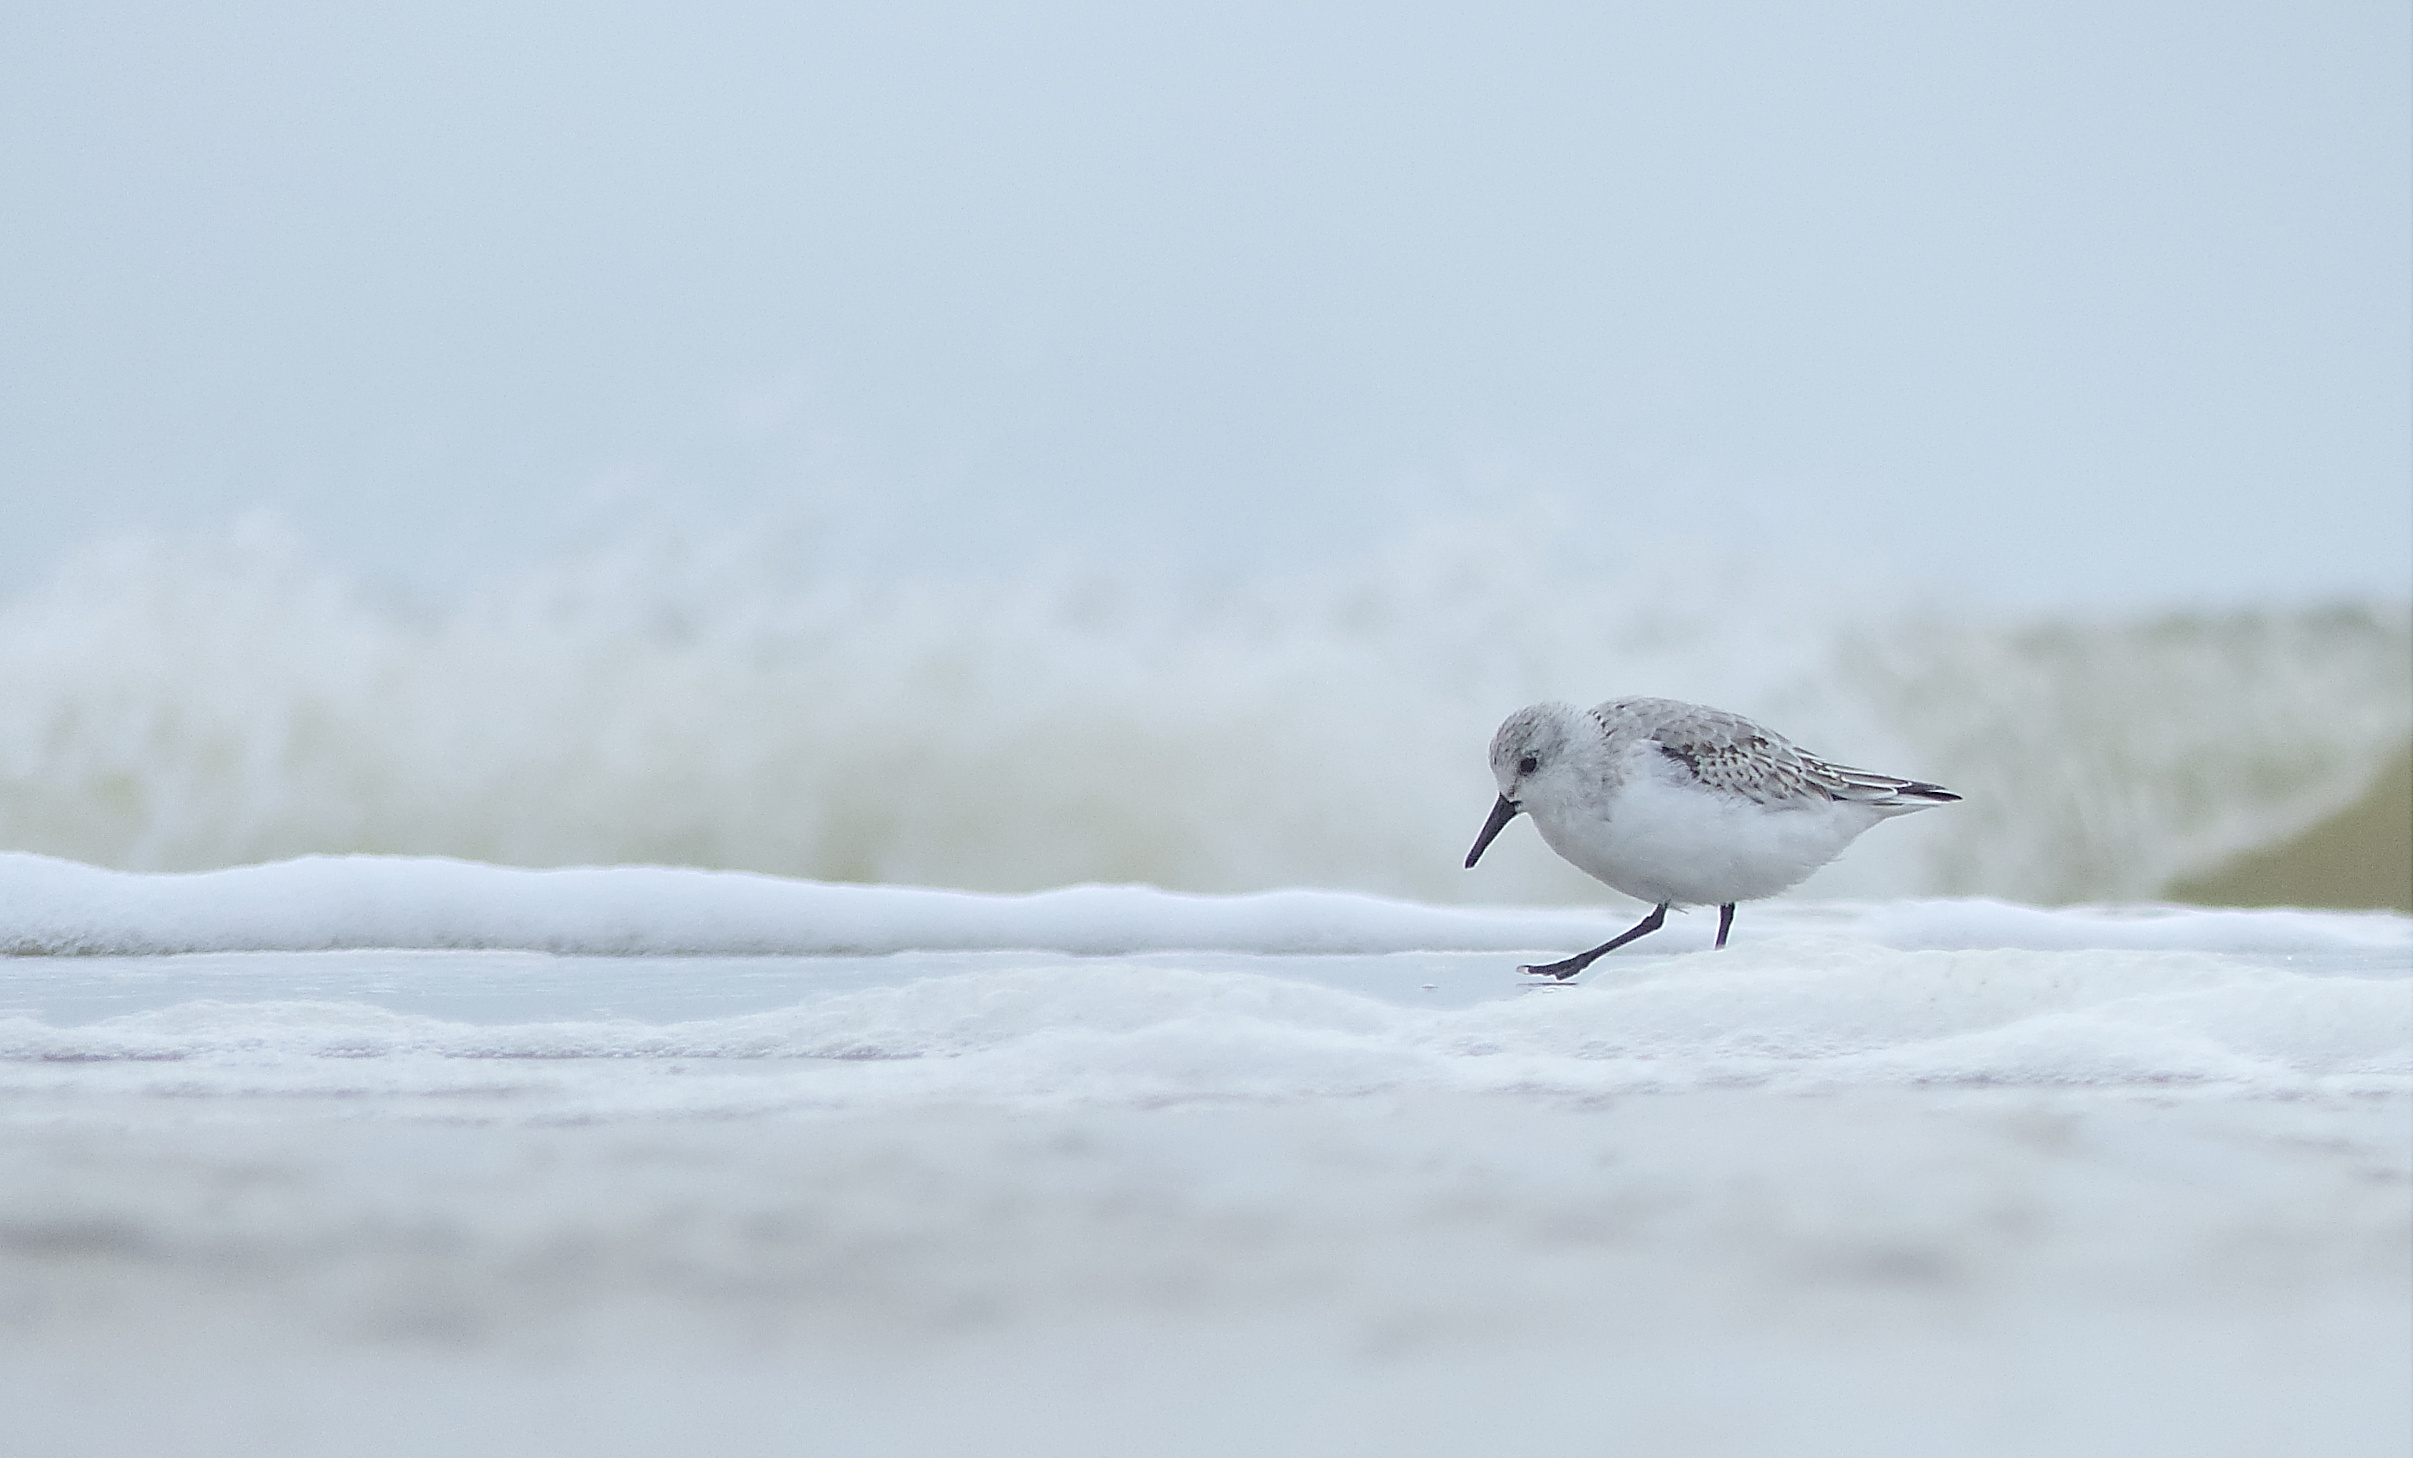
{"x": 1835, "y": 1190}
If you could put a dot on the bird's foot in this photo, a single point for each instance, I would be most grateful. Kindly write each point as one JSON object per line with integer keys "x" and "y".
{"x": 1560, "y": 970}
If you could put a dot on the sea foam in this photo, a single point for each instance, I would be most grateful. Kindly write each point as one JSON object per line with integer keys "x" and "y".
{"x": 1130, "y": 994}
{"x": 55, "y": 907}
{"x": 1802, "y": 1015}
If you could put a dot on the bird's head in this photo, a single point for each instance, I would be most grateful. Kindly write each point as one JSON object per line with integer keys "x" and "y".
{"x": 1530, "y": 744}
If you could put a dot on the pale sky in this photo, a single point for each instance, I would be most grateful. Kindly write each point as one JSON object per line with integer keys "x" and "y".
{"x": 2043, "y": 303}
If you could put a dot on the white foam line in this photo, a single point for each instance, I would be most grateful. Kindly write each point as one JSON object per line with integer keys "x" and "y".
{"x": 51, "y": 906}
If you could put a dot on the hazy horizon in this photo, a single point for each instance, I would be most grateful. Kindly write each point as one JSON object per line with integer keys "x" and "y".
{"x": 2067, "y": 306}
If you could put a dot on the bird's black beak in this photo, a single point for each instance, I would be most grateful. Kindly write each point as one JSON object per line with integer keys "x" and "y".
{"x": 1504, "y": 810}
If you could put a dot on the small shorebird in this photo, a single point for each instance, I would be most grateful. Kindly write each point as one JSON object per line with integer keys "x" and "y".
{"x": 1681, "y": 805}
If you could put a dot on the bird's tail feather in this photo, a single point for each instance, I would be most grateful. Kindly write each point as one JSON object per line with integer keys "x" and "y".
{"x": 1885, "y": 792}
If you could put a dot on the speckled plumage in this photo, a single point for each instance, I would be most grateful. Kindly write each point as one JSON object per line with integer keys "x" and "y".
{"x": 1729, "y": 752}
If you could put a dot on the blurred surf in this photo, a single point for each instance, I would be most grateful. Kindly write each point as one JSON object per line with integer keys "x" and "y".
{"x": 752, "y": 702}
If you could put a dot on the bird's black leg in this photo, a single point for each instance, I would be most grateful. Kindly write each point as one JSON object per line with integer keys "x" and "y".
{"x": 1580, "y": 961}
{"x": 1726, "y": 918}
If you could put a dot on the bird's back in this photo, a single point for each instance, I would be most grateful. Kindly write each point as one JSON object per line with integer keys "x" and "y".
{"x": 1729, "y": 754}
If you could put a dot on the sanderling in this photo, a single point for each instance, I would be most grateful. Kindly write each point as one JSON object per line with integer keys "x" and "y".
{"x": 1681, "y": 805}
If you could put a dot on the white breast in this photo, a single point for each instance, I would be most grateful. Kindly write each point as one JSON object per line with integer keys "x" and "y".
{"x": 1660, "y": 837}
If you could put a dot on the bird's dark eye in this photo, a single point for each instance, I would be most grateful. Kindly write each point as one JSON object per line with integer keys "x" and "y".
{"x": 1526, "y": 765}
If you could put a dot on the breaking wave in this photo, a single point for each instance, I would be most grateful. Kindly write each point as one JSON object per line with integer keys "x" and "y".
{"x": 749, "y": 703}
